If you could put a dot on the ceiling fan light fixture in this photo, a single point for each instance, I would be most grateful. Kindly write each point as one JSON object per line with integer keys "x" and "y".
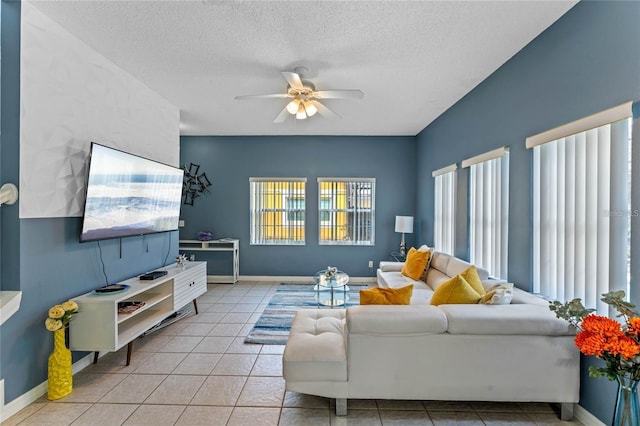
{"x": 310, "y": 108}
{"x": 292, "y": 106}
{"x": 301, "y": 114}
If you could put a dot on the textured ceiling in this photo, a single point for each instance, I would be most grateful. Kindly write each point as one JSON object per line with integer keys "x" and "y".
{"x": 413, "y": 60}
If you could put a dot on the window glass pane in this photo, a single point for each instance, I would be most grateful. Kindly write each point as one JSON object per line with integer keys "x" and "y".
{"x": 346, "y": 211}
{"x": 277, "y": 211}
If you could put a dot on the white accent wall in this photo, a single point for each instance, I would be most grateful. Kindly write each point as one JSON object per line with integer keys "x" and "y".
{"x": 70, "y": 96}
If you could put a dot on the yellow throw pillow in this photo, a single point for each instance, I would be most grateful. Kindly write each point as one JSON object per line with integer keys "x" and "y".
{"x": 471, "y": 276}
{"x": 453, "y": 291}
{"x": 415, "y": 263}
{"x": 386, "y": 296}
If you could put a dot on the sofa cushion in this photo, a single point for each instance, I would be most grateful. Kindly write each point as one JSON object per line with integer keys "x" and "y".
{"x": 386, "y": 296}
{"x": 395, "y": 279}
{"x": 415, "y": 263}
{"x": 453, "y": 266}
{"x": 403, "y": 320}
{"x": 470, "y": 275}
{"x": 504, "y": 319}
{"x": 455, "y": 290}
{"x": 390, "y": 266}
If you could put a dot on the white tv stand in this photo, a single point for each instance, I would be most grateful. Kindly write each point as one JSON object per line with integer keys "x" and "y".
{"x": 98, "y": 327}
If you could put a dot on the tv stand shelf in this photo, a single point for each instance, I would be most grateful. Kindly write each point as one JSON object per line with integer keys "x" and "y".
{"x": 99, "y": 327}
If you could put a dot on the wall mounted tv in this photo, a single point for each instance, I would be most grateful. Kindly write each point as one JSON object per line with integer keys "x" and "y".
{"x": 129, "y": 195}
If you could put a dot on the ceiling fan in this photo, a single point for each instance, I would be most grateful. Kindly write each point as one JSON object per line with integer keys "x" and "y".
{"x": 305, "y": 99}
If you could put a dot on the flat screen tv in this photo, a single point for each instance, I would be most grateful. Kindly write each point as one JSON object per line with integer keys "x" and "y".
{"x": 129, "y": 195}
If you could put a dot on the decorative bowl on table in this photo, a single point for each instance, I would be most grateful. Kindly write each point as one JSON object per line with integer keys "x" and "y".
{"x": 204, "y": 236}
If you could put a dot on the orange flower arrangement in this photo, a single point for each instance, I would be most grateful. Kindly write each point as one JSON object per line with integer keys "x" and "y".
{"x": 617, "y": 343}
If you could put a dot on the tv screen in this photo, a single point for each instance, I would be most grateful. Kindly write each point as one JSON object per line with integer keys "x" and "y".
{"x": 129, "y": 195}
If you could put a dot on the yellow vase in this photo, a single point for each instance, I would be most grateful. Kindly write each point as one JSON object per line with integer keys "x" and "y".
{"x": 60, "y": 377}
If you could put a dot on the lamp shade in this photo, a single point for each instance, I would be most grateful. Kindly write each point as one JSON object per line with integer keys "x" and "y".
{"x": 404, "y": 224}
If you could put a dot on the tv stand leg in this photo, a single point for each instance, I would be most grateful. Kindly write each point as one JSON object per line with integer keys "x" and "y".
{"x": 129, "y": 350}
{"x": 95, "y": 357}
{"x": 195, "y": 305}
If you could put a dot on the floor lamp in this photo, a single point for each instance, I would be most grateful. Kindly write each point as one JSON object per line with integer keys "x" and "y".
{"x": 404, "y": 224}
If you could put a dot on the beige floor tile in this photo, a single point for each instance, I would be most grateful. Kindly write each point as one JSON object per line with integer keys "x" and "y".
{"x": 510, "y": 407}
{"x": 155, "y": 415}
{"x": 221, "y": 307}
{"x": 240, "y": 347}
{"x": 106, "y": 414}
{"x": 196, "y": 329}
{"x": 160, "y": 363}
{"x": 357, "y": 418}
{"x": 56, "y": 414}
{"x": 399, "y": 404}
{"x": 198, "y": 364}
{"x": 24, "y": 413}
{"x": 458, "y": 418}
{"x": 505, "y": 419}
{"x": 150, "y": 343}
{"x": 195, "y": 415}
{"x": 226, "y": 329}
{"x": 207, "y": 317}
{"x": 213, "y": 344}
{"x": 90, "y": 387}
{"x": 182, "y": 344}
{"x": 272, "y": 350}
{"x": 262, "y": 392}
{"x": 176, "y": 389}
{"x": 236, "y": 317}
{"x": 550, "y": 419}
{"x": 235, "y": 365}
{"x": 116, "y": 362}
{"x": 305, "y": 416}
{"x": 268, "y": 365}
{"x": 219, "y": 390}
{"x": 134, "y": 389}
{"x": 173, "y": 329}
{"x": 359, "y": 404}
{"x": 254, "y": 416}
{"x": 230, "y": 299}
{"x": 404, "y": 418}
{"x": 536, "y": 407}
{"x": 301, "y": 400}
{"x": 247, "y": 306}
{"x": 253, "y": 299}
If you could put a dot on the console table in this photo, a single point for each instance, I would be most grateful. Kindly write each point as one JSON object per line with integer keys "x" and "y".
{"x": 224, "y": 244}
{"x": 98, "y": 327}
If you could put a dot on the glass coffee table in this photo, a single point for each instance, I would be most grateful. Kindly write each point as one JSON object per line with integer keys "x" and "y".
{"x": 325, "y": 288}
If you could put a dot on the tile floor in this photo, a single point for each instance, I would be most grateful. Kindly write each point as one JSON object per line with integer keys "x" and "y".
{"x": 199, "y": 371}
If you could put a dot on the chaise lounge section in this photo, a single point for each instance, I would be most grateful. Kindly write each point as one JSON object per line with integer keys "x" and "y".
{"x": 515, "y": 352}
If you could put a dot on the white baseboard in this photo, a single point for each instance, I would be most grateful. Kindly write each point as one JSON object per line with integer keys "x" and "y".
{"x": 34, "y": 394}
{"x": 585, "y": 417}
{"x": 288, "y": 279}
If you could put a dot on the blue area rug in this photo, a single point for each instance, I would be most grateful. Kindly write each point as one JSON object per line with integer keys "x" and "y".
{"x": 272, "y": 328}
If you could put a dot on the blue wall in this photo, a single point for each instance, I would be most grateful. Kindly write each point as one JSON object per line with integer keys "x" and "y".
{"x": 42, "y": 257}
{"x": 229, "y": 162}
{"x": 589, "y": 60}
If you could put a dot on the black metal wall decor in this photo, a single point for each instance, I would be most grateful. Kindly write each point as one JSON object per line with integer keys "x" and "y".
{"x": 194, "y": 184}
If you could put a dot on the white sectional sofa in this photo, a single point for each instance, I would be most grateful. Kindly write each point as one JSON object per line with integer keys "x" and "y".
{"x": 515, "y": 352}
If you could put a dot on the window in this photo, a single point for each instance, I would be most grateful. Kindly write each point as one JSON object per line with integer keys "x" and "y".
{"x": 346, "y": 211}
{"x": 444, "y": 209}
{"x": 277, "y": 211}
{"x": 489, "y": 210}
{"x": 581, "y": 208}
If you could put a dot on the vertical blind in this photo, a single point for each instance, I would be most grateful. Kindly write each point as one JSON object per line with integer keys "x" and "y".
{"x": 444, "y": 209}
{"x": 277, "y": 211}
{"x": 489, "y": 210}
{"x": 581, "y": 212}
{"x": 346, "y": 211}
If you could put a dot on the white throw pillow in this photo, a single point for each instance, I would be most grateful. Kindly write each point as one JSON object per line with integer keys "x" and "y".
{"x": 499, "y": 294}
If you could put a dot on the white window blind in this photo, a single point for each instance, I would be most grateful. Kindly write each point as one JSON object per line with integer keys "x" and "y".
{"x": 444, "y": 209}
{"x": 277, "y": 211}
{"x": 346, "y": 211}
{"x": 581, "y": 212}
{"x": 489, "y": 210}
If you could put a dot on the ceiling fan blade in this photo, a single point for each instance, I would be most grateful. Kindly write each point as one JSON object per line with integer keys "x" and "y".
{"x": 271, "y": 96}
{"x": 293, "y": 79}
{"x": 325, "y": 112}
{"x": 282, "y": 116}
{"x": 339, "y": 94}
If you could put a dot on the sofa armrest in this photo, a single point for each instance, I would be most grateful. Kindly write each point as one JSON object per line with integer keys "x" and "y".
{"x": 391, "y": 266}
{"x": 395, "y": 319}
